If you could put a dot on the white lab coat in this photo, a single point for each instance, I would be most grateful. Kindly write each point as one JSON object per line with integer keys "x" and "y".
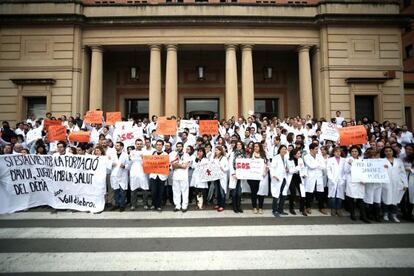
{"x": 292, "y": 169}
{"x": 410, "y": 179}
{"x": 278, "y": 169}
{"x": 224, "y": 166}
{"x": 138, "y": 179}
{"x": 196, "y": 178}
{"x": 315, "y": 174}
{"x": 353, "y": 189}
{"x": 393, "y": 191}
{"x": 119, "y": 176}
{"x": 336, "y": 177}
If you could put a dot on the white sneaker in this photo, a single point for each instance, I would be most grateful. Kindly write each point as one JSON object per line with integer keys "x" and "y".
{"x": 386, "y": 218}
{"x": 394, "y": 218}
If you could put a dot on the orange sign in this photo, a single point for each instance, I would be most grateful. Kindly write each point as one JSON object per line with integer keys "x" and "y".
{"x": 57, "y": 133}
{"x": 354, "y": 135}
{"x": 209, "y": 127}
{"x": 159, "y": 164}
{"x": 47, "y": 123}
{"x": 80, "y": 136}
{"x": 166, "y": 127}
{"x": 93, "y": 117}
{"x": 113, "y": 117}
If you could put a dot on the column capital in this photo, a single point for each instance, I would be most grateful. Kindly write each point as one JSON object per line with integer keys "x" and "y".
{"x": 247, "y": 47}
{"x": 96, "y": 48}
{"x": 155, "y": 47}
{"x": 230, "y": 46}
{"x": 171, "y": 47}
{"x": 304, "y": 48}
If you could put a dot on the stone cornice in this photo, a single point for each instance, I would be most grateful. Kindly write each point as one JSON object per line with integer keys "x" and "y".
{"x": 33, "y": 81}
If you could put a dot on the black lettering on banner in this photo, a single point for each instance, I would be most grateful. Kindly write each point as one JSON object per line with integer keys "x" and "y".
{"x": 20, "y": 189}
{"x": 22, "y": 174}
{"x": 69, "y": 199}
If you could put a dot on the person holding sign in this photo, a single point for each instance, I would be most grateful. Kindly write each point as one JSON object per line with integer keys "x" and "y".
{"x": 393, "y": 191}
{"x": 354, "y": 190}
{"x": 157, "y": 181}
{"x": 119, "y": 175}
{"x": 138, "y": 179}
{"x": 336, "y": 181}
{"x": 221, "y": 184}
{"x": 315, "y": 164}
{"x": 372, "y": 196}
{"x": 258, "y": 188}
{"x": 234, "y": 183}
{"x": 296, "y": 179}
{"x": 180, "y": 163}
{"x": 278, "y": 172}
{"x": 200, "y": 186}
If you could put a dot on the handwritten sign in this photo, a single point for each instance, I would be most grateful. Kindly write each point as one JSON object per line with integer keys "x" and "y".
{"x": 47, "y": 123}
{"x": 166, "y": 127}
{"x": 250, "y": 168}
{"x": 209, "y": 171}
{"x": 190, "y": 124}
{"x": 158, "y": 164}
{"x": 57, "y": 133}
{"x": 80, "y": 136}
{"x": 93, "y": 117}
{"x": 209, "y": 127}
{"x": 329, "y": 132}
{"x": 113, "y": 117}
{"x": 354, "y": 135}
{"x": 369, "y": 171}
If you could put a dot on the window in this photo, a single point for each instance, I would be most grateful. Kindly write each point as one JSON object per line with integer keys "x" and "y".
{"x": 267, "y": 107}
{"x": 409, "y": 51}
{"x": 36, "y": 106}
{"x": 407, "y": 3}
{"x": 204, "y": 108}
{"x": 136, "y": 108}
{"x": 365, "y": 107}
{"x": 408, "y": 29}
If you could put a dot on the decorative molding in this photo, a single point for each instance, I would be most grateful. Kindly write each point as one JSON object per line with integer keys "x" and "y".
{"x": 33, "y": 81}
{"x": 366, "y": 80}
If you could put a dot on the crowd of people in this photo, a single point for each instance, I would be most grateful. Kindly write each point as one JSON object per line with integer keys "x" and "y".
{"x": 299, "y": 165}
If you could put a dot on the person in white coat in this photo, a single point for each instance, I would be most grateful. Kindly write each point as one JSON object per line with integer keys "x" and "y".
{"x": 407, "y": 203}
{"x": 315, "y": 165}
{"x": 200, "y": 187}
{"x": 221, "y": 184}
{"x": 157, "y": 181}
{"x": 258, "y": 154}
{"x": 296, "y": 179}
{"x": 119, "y": 176}
{"x": 234, "y": 183}
{"x": 372, "y": 196}
{"x": 278, "y": 173}
{"x": 335, "y": 170}
{"x": 138, "y": 179}
{"x": 355, "y": 191}
{"x": 180, "y": 164}
{"x": 393, "y": 190}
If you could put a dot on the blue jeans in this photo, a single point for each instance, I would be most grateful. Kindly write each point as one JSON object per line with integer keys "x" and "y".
{"x": 120, "y": 197}
{"x": 336, "y": 203}
{"x": 221, "y": 195}
{"x": 236, "y": 195}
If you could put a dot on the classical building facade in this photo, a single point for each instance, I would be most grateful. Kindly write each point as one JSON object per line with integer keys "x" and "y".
{"x": 200, "y": 57}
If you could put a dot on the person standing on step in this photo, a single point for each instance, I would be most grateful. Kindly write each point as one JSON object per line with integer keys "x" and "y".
{"x": 258, "y": 154}
{"x": 278, "y": 172}
{"x": 296, "y": 179}
{"x": 336, "y": 181}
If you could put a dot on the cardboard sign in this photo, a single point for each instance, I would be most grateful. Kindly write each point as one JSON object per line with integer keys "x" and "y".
{"x": 80, "y": 136}
{"x": 329, "y": 132}
{"x": 113, "y": 117}
{"x": 369, "y": 171}
{"x": 126, "y": 133}
{"x": 354, "y": 135}
{"x": 209, "y": 171}
{"x": 93, "y": 117}
{"x": 166, "y": 127}
{"x": 158, "y": 164}
{"x": 190, "y": 124}
{"x": 57, "y": 133}
{"x": 249, "y": 168}
{"x": 47, "y": 123}
{"x": 209, "y": 127}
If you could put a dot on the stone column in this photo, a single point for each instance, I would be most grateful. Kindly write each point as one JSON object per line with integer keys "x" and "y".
{"x": 247, "y": 80}
{"x": 171, "y": 82}
{"x": 316, "y": 82}
{"x": 96, "y": 81}
{"x": 155, "y": 81}
{"x": 305, "y": 82}
{"x": 231, "y": 96}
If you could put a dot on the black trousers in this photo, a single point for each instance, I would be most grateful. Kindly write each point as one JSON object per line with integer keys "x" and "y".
{"x": 293, "y": 188}
{"x": 254, "y": 188}
{"x": 319, "y": 197}
{"x": 157, "y": 190}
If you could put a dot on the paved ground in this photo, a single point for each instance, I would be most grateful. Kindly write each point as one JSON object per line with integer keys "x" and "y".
{"x": 201, "y": 243}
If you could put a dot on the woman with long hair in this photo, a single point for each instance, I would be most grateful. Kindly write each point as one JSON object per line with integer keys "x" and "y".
{"x": 278, "y": 172}
{"x": 336, "y": 181}
{"x": 234, "y": 183}
{"x": 296, "y": 177}
{"x": 221, "y": 184}
{"x": 200, "y": 186}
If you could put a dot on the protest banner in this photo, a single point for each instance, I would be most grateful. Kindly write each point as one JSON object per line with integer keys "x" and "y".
{"x": 190, "y": 124}
{"x": 47, "y": 123}
{"x": 354, "y": 135}
{"x": 166, "y": 127}
{"x": 209, "y": 127}
{"x": 80, "y": 136}
{"x": 33, "y": 135}
{"x": 369, "y": 171}
{"x": 57, "y": 133}
{"x": 159, "y": 164}
{"x": 249, "y": 168}
{"x": 127, "y": 133}
{"x": 209, "y": 171}
{"x": 329, "y": 132}
{"x": 62, "y": 182}
{"x": 113, "y": 117}
{"x": 93, "y": 117}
